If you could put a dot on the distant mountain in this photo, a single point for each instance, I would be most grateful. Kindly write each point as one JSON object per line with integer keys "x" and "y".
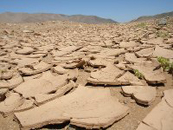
{"x": 158, "y": 16}
{"x": 9, "y": 17}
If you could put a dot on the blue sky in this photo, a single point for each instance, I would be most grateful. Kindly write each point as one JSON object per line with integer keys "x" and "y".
{"x": 119, "y": 10}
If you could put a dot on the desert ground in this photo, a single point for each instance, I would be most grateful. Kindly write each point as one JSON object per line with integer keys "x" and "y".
{"x": 72, "y": 76}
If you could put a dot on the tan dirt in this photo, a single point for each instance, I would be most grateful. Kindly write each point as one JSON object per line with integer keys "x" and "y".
{"x": 77, "y": 52}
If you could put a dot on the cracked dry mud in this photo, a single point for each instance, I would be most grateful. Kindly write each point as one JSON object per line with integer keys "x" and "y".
{"x": 64, "y": 75}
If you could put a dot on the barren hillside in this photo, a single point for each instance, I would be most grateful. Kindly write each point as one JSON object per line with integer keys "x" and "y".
{"x": 9, "y": 17}
{"x": 158, "y": 16}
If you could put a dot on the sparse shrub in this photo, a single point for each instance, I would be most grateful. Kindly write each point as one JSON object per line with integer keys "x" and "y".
{"x": 2, "y": 71}
{"x": 141, "y": 25}
{"x": 165, "y": 64}
{"x": 163, "y": 34}
{"x": 138, "y": 74}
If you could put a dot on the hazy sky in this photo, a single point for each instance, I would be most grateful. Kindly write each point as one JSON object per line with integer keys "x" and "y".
{"x": 119, "y": 10}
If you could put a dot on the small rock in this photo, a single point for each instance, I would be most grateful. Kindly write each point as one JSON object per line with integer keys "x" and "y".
{"x": 28, "y": 31}
{"x": 162, "y": 21}
{"x": 144, "y": 95}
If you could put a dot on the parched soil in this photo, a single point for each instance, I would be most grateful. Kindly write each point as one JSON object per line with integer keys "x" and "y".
{"x": 64, "y": 75}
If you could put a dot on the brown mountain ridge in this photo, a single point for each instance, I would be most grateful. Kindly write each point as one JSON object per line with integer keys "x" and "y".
{"x": 153, "y": 17}
{"x": 9, "y": 17}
